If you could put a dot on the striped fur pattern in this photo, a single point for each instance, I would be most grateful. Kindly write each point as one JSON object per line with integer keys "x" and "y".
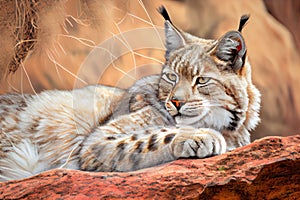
{"x": 202, "y": 104}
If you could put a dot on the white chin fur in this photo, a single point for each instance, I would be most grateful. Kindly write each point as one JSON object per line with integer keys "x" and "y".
{"x": 216, "y": 119}
{"x": 187, "y": 120}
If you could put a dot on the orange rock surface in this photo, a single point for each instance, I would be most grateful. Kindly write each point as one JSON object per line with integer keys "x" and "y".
{"x": 266, "y": 169}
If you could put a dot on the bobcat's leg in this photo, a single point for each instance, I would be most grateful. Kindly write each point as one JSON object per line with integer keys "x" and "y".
{"x": 123, "y": 147}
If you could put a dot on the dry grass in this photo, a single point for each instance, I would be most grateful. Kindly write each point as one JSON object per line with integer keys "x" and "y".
{"x": 25, "y": 32}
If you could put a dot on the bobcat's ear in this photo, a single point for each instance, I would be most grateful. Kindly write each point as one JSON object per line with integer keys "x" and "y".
{"x": 174, "y": 39}
{"x": 232, "y": 48}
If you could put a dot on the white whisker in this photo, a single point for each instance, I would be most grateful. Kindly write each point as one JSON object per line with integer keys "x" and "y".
{"x": 211, "y": 105}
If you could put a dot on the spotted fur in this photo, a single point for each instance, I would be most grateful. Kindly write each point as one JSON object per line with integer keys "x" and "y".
{"x": 202, "y": 104}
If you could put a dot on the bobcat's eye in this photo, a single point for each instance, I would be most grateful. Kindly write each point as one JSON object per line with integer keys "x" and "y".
{"x": 202, "y": 80}
{"x": 170, "y": 77}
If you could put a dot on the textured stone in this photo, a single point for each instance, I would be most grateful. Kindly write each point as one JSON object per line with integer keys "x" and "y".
{"x": 266, "y": 169}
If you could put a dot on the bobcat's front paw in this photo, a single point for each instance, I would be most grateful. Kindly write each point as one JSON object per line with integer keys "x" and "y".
{"x": 203, "y": 142}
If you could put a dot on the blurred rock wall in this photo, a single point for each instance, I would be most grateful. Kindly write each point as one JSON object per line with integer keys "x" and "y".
{"x": 56, "y": 39}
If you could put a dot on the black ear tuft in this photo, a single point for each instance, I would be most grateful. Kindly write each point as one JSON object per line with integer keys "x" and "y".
{"x": 243, "y": 22}
{"x": 174, "y": 39}
{"x": 231, "y": 47}
{"x": 162, "y": 10}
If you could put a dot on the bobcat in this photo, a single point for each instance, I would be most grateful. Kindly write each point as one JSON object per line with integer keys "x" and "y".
{"x": 202, "y": 104}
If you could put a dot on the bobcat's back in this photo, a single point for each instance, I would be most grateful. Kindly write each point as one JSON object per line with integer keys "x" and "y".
{"x": 203, "y": 103}
{"x": 45, "y": 128}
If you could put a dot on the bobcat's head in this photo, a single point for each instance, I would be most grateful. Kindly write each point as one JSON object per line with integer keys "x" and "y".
{"x": 207, "y": 83}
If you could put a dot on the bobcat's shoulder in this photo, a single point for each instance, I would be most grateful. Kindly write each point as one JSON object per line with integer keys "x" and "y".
{"x": 203, "y": 103}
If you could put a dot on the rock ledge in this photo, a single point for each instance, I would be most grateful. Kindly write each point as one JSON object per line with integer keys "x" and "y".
{"x": 268, "y": 168}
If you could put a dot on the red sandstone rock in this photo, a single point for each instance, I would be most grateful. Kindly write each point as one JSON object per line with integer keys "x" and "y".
{"x": 266, "y": 169}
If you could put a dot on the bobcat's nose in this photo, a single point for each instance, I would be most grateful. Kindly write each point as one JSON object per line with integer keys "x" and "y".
{"x": 177, "y": 103}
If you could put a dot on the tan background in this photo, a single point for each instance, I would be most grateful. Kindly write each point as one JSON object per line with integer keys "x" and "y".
{"x": 47, "y": 42}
